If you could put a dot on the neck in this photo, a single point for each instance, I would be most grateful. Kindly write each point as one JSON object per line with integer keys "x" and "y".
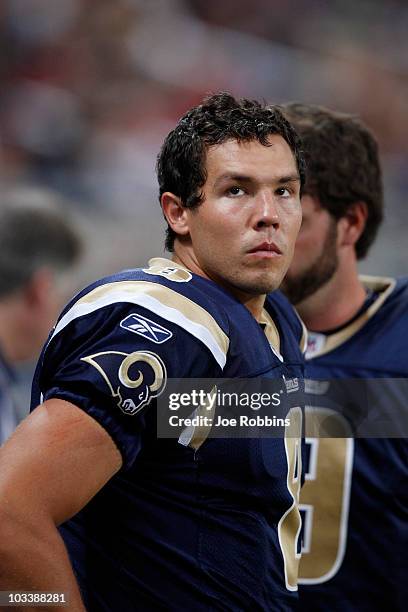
{"x": 335, "y": 303}
{"x": 254, "y": 303}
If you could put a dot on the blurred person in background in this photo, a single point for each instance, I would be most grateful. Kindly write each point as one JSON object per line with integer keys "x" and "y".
{"x": 38, "y": 245}
{"x": 355, "y": 498}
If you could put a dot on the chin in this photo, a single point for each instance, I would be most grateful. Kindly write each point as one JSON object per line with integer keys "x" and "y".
{"x": 274, "y": 282}
{"x": 263, "y": 286}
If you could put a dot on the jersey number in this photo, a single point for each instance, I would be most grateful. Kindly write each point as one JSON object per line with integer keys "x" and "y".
{"x": 290, "y": 524}
{"x": 325, "y": 498}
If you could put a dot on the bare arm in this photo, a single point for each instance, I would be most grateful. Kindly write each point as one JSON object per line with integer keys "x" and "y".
{"x": 54, "y": 463}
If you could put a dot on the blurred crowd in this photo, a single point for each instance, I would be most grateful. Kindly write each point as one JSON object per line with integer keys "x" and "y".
{"x": 89, "y": 88}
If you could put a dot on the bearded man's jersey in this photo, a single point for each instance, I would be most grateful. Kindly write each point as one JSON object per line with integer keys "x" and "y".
{"x": 355, "y": 498}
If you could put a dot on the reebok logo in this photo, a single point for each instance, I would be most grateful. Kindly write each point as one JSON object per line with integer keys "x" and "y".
{"x": 146, "y": 328}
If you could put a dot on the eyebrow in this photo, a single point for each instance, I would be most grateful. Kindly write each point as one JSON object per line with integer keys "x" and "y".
{"x": 291, "y": 178}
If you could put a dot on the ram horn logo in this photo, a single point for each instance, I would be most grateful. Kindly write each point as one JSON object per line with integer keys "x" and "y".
{"x": 133, "y": 379}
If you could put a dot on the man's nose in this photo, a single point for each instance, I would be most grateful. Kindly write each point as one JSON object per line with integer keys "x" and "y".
{"x": 266, "y": 211}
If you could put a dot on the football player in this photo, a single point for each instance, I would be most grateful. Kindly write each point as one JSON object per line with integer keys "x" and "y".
{"x": 355, "y": 498}
{"x": 194, "y": 522}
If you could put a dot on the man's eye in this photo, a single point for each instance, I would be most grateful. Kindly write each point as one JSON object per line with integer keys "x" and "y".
{"x": 283, "y": 191}
{"x": 235, "y": 191}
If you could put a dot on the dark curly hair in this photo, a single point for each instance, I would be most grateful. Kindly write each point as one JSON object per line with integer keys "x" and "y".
{"x": 343, "y": 165}
{"x": 181, "y": 164}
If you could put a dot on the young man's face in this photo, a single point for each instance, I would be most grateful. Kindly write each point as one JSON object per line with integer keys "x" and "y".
{"x": 315, "y": 259}
{"x": 243, "y": 234}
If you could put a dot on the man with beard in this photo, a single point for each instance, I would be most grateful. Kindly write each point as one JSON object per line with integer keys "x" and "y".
{"x": 354, "y": 501}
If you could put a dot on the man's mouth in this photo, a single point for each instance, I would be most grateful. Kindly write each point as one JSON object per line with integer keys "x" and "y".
{"x": 266, "y": 249}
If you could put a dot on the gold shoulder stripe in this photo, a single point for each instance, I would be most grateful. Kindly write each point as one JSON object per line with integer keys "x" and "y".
{"x": 159, "y": 299}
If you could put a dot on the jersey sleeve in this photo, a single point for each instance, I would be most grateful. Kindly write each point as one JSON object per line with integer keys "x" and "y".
{"x": 114, "y": 362}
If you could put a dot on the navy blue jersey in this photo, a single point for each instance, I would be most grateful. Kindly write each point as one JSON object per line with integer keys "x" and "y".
{"x": 355, "y": 498}
{"x": 194, "y": 526}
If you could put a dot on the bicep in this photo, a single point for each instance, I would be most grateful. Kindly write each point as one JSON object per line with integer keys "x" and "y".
{"x": 55, "y": 462}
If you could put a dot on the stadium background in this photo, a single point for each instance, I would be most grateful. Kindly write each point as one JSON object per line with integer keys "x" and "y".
{"x": 89, "y": 88}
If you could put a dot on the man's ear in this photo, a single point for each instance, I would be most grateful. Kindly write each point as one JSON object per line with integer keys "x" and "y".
{"x": 352, "y": 224}
{"x": 175, "y": 213}
{"x": 38, "y": 288}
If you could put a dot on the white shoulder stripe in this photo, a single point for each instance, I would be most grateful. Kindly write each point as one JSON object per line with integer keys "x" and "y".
{"x": 140, "y": 293}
